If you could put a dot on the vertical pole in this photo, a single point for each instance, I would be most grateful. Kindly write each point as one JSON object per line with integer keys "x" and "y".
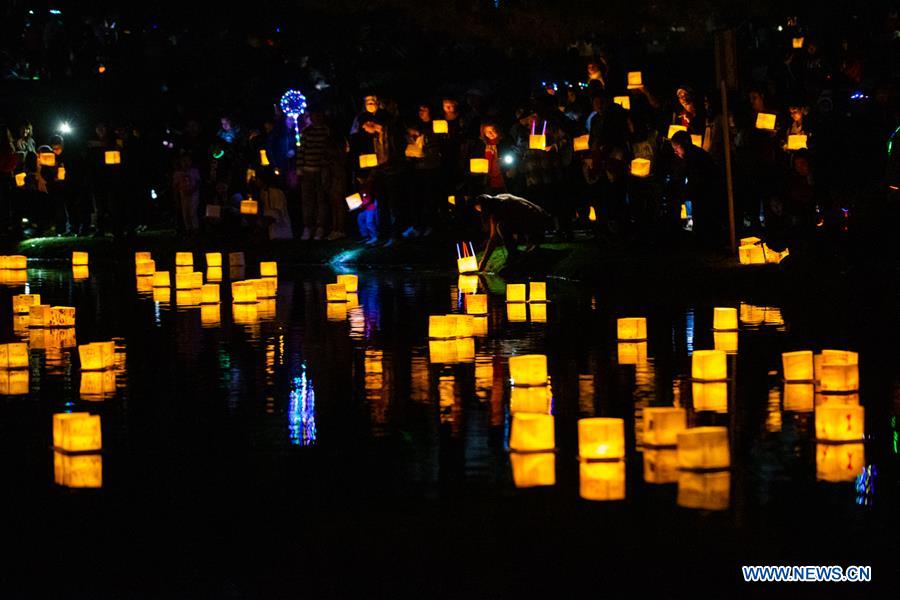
{"x": 729, "y": 176}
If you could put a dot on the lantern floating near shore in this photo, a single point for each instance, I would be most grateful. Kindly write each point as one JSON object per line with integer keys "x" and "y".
{"x": 112, "y": 157}
{"x": 15, "y": 262}
{"x": 797, "y": 366}
{"x": 533, "y": 469}
{"x": 76, "y": 432}
{"x": 635, "y": 80}
{"x": 335, "y": 292}
{"x": 725, "y": 319}
{"x": 662, "y": 425}
{"x": 14, "y": 382}
{"x": 145, "y": 268}
{"x": 703, "y": 448}
{"x": 631, "y": 329}
{"x": 79, "y": 259}
{"x": 709, "y": 365}
{"x": 516, "y": 312}
{"x": 445, "y": 327}
{"x": 710, "y": 396}
{"x": 623, "y": 101}
{"x": 796, "y": 142}
{"x": 349, "y": 281}
{"x": 266, "y": 287}
{"x": 478, "y": 166}
{"x": 837, "y": 463}
{"x": 368, "y": 161}
{"x": 269, "y": 269}
{"x": 765, "y": 121}
{"x": 249, "y": 207}
{"x": 530, "y": 399}
{"x": 515, "y": 292}
{"x": 243, "y": 292}
{"x": 209, "y": 293}
{"x": 836, "y": 423}
{"x": 631, "y": 353}
{"x": 440, "y": 126}
{"x": 14, "y": 356}
{"x": 21, "y": 303}
{"x": 660, "y": 465}
{"x": 213, "y": 259}
{"x": 528, "y": 369}
{"x": 601, "y": 439}
{"x": 476, "y": 304}
{"x": 530, "y": 432}
{"x": 97, "y": 356}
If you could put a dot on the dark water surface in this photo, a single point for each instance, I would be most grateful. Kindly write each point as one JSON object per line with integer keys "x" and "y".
{"x": 276, "y": 453}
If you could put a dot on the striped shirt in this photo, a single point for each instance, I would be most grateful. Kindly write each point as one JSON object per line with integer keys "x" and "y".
{"x": 313, "y": 144}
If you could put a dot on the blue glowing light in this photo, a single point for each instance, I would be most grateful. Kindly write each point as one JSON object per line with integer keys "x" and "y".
{"x": 302, "y": 411}
{"x": 293, "y": 103}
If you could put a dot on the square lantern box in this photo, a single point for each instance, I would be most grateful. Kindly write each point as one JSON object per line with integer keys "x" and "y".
{"x": 838, "y": 378}
{"x": 673, "y": 129}
{"x": 336, "y": 311}
{"x": 13, "y": 277}
{"x": 266, "y": 308}
{"x": 145, "y": 268}
{"x": 662, "y": 425}
{"x": 161, "y": 279}
{"x": 533, "y": 469}
{"x": 243, "y": 292}
{"x": 77, "y": 432}
{"x": 140, "y": 257}
{"x": 601, "y": 481}
{"x": 537, "y": 291}
{"x": 209, "y": 293}
{"x": 623, "y": 101}
{"x": 214, "y": 274}
{"x": 601, "y": 439}
{"x": 467, "y": 284}
{"x": 112, "y": 157}
{"x": 798, "y": 366}
{"x": 516, "y": 312}
{"x": 14, "y": 382}
{"x": 21, "y": 303}
{"x": 710, "y": 396}
{"x": 836, "y": 463}
{"x": 185, "y": 281}
{"x": 635, "y": 80}
{"x": 660, "y": 465}
{"x": 78, "y": 471}
{"x": 213, "y": 259}
{"x": 263, "y": 158}
{"x": 79, "y": 258}
{"x": 353, "y": 201}
{"x": 38, "y": 315}
{"x": 440, "y": 126}
{"x": 249, "y": 207}
{"x": 704, "y": 491}
{"x": 41, "y": 315}
{"x": 14, "y": 355}
{"x": 210, "y": 315}
{"x": 476, "y": 304}
{"x": 15, "y": 262}
{"x": 97, "y": 385}
{"x": 640, "y": 167}
{"x": 162, "y": 294}
{"x": 47, "y": 159}
{"x": 528, "y": 369}
{"x": 531, "y": 432}
{"x": 461, "y": 350}
{"x": 797, "y": 43}
{"x": 703, "y": 448}
{"x": 726, "y": 341}
{"x": 631, "y": 329}
{"x": 751, "y": 254}
{"x": 537, "y": 141}
{"x": 725, "y": 319}
{"x": 531, "y": 399}
{"x": 632, "y": 353}
{"x": 266, "y": 287}
{"x": 270, "y": 269}
{"x": 709, "y": 365}
{"x": 97, "y": 356}
{"x": 774, "y": 257}
{"x": 479, "y": 326}
{"x": 184, "y": 259}
{"x": 20, "y": 325}
{"x": 335, "y": 292}
{"x": 245, "y": 314}
{"x": 450, "y": 326}
{"x": 20, "y": 179}
{"x": 368, "y": 161}
{"x": 467, "y": 264}
{"x": 537, "y": 312}
{"x": 80, "y": 272}
{"x": 765, "y": 121}
{"x": 515, "y": 292}
{"x": 57, "y": 338}
{"x": 581, "y": 143}
{"x": 350, "y": 282}
{"x": 835, "y": 423}
{"x": 798, "y": 397}
{"x": 478, "y": 166}
{"x": 796, "y": 142}
{"x": 187, "y": 298}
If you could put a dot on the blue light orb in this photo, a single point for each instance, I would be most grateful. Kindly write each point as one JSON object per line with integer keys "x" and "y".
{"x": 293, "y": 103}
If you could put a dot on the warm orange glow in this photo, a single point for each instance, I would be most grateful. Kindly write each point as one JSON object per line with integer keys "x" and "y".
{"x": 581, "y": 143}
{"x": 662, "y": 425}
{"x": 368, "y": 161}
{"x": 97, "y": 385}
{"x": 14, "y": 382}
{"x": 145, "y": 268}
{"x": 14, "y": 355}
{"x": 267, "y": 287}
{"x": 533, "y": 469}
{"x": 640, "y": 167}
{"x": 97, "y": 356}
{"x": 516, "y": 312}
{"x": 214, "y": 274}
{"x": 249, "y": 207}
{"x": 631, "y": 328}
{"x": 592, "y": 215}
{"x": 460, "y": 350}
{"x": 162, "y": 294}
{"x": 836, "y": 463}
{"x": 112, "y": 157}
{"x": 20, "y": 179}
{"x": 530, "y": 399}
{"x": 726, "y": 341}
{"x": 710, "y": 396}
{"x": 725, "y": 319}
{"x": 798, "y": 397}
{"x": 635, "y": 80}
{"x": 210, "y": 315}
{"x": 601, "y": 438}
{"x": 703, "y": 448}
{"x": 704, "y": 491}
{"x": 797, "y": 366}
{"x": 243, "y": 292}
{"x": 76, "y": 432}
{"x": 209, "y": 293}
{"x": 537, "y": 312}
{"x": 623, "y": 101}
{"x": 478, "y": 166}
{"x": 709, "y": 365}
{"x": 80, "y": 273}
{"x": 353, "y": 201}
{"x": 78, "y": 470}
{"x": 515, "y": 292}
{"x": 270, "y": 269}
{"x": 796, "y": 142}
{"x": 537, "y": 142}
{"x": 765, "y": 121}
{"x": 213, "y": 259}
{"x": 673, "y": 129}
{"x": 246, "y": 314}
{"x": 797, "y": 42}
{"x": 632, "y": 353}
{"x": 476, "y": 304}
{"x": 660, "y": 465}
{"x": 161, "y": 279}
{"x": 531, "y": 432}
{"x": 440, "y": 126}
{"x": 601, "y": 481}
{"x": 467, "y": 264}
{"x": 79, "y": 258}
{"x": 537, "y": 291}
{"x": 528, "y": 369}
{"x": 184, "y": 259}
{"x": 838, "y": 378}
{"x": 184, "y": 281}
{"x": 350, "y": 281}
{"x": 836, "y": 423}
{"x": 21, "y": 303}
{"x": 480, "y": 326}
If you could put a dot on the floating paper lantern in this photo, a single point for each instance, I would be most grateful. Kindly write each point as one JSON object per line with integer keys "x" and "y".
{"x": 660, "y": 465}
{"x": 838, "y": 378}
{"x": 537, "y": 141}
{"x": 662, "y": 425}
{"x": 530, "y": 399}
{"x": 161, "y": 279}
{"x": 752, "y": 315}
{"x": 56, "y": 338}
{"x": 47, "y": 159}
{"x": 266, "y": 308}
{"x": 537, "y": 291}
{"x": 516, "y": 312}
{"x": 76, "y": 432}
{"x": 632, "y": 353}
{"x": 478, "y": 166}
{"x": 467, "y": 284}
{"x": 451, "y": 200}
{"x": 704, "y": 491}
{"x": 601, "y": 438}
{"x": 14, "y": 382}
{"x": 80, "y": 273}
{"x": 183, "y": 269}
{"x": 515, "y": 292}
{"x": 189, "y": 297}
{"x": 581, "y": 143}
{"x": 14, "y": 355}
{"x": 97, "y": 356}
{"x": 184, "y": 281}
{"x": 537, "y": 312}
{"x": 467, "y": 264}
{"x": 145, "y": 283}
{"x": 635, "y": 80}
{"x": 797, "y": 42}
{"x": 15, "y": 262}
{"x": 836, "y": 423}
{"x": 249, "y": 207}
{"x": 97, "y": 385}
{"x": 726, "y": 341}
{"x": 270, "y": 269}
{"x": 61, "y": 173}
{"x": 837, "y": 463}
{"x": 210, "y": 315}
{"x": 20, "y": 179}
{"x": 673, "y": 129}
{"x": 765, "y": 121}
{"x": 710, "y": 396}
{"x": 601, "y": 481}
{"x": 476, "y": 304}
{"x": 79, "y": 258}
{"x": 266, "y": 287}
{"x": 531, "y": 432}
{"x": 725, "y": 319}
{"x": 796, "y": 142}
{"x": 354, "y": 201}
{"x": 709, "y": 365}
{"x": 145, "y": 268}
{"x": 162, "y": 294}
{"x": 213, "y": 259}
{"x": 209, "y": 293}
{"x": 533, "y": 469}
{"x": 751, "y": 254}
{"x": 623, "y": 101}
{"x": 798, "y": 397}
{"x": 640, "y": 167}
{"x": 350, "y": 282}
{"x": 440, "y": 126}
{"x": 450, "y": 326}
{"x": 243, "y": 292}
{"x": 214, "y": 274}
{"x": 184, "y": 259}
{"x": 59, "y": 316}
{"x": 528, "y": 369}
{"x": 38, "y": 315}
{"x": 22, "y": 302}
{"x": 78, "y": 471}
{"x": 460, "y": 350}
{"x": 479, "y": 326}
{"x": 774, "y": 257}
{"x": 797, "y": 366}
{"x": 703, "y": 448}
{"x": 20, "y": 325}
{"x": 335, "y": 292}
{"x": 247, "y": 313}
{"x": 631, "y": 328}
{"x": 368, "y": 161}
{"x": 112, "y": 157}
{"x": 263, "y": 158}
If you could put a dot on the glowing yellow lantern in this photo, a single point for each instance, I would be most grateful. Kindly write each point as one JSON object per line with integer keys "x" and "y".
{"x": 798, "y": 397}
{"x": 640, "y": 167}
{"x": 14, "y": 355}
{"x": 440, "y": 126}
{"x": 335, "y": 292}
{"x": 623, "y": 101}
{"x": 537, "y": 141}
{"x": 38, "y": 315}
{"x": 162, "y": 294}
{"x": 112, "y": 157}
{"x": 20, "y": 179}
{"x": 76, "y": 432}
{"x": 531, "y": 432}
{"x": 140, "y": 257}
{"x": 516, "y": 312}
{"x": 441, "y": 351}
{"x": 528, "y": 369}
{"x": 354, "y": 201}
{"x": 451, "y": 200}
{"x": 270, "y": 269}
{"x": 479, "y": 326}
{"x": 161, "y": 279}
{"x": 209, "y": 293}
{"x": 662, "y": 425}
{"x": 79, "y": 258}
{"x": 592, "y": 215}
{"x": 710, "y": 396}
{"x": 14, "y": 382}
{"x": 467, "y": 284}
{"x": 751, "y": 254}
{"x": 836, "y": 463}
{"x": 530, "y": 399}
{"x": 835, "y": 423}
{"x": 673, "y": 129}
{"x": 601, "y": 481}
{"x": 235, "y": 259}
{"x": 839, "y": 357}
{"x": 581, "y": 143}
{"x": 16, "y": 262}
{"x": 78, "y": 471}
{"x": 145, "y": 268}
{"x": 703, "y": 448}
{"x": 660, "y": 465}
{"x": 350, "y": 282}
{"x": 97, "y": 356}
{"x": 515, "y": 292}
{"x": 263, "y": 158}
{"x": 245, "y": 314}
{"x": 704, "y": 491}
{"x": 838, "y": 378}
{"x": 210, "y": 315}
{"x": 190, "y": 297}
{"x": 534, "y": 469}
{"x": 635, "y": 80}
{"x": 750, "y": 240}
{"x": 441, "y": 327}
{"x": 476, "y": 304}
{"x": 266, "y": 287}
{"x": 97, "y": 385}
{"x": 774, "y": 257}
{"x": 797, "y": 366}
{"x": 80, "y": 273}
{"x": 47, "y": 159}
{"x": 697, "y": 140}
{"x": 214, "y": 274}
{"x": 22, "y": 302}
{"x": 725, "y": 319}
{"x": 797, "y": 42}
{"x": 61, "y": 173}
{"x": 464, "y": 349}
{"x": 478, "y": 166}
{"x": 537, "y": 312}
{"x": 184, "y": 259}
{"x": 249, "y": 207}
{"x": 709, "y": 365}
{"x": 61, "y": 316}
{"x": 601, "y": 438}
{"x": 765, "y": 121}
{"x": 537, "y": 291}
{"x": 726, "y": 341}
{"x": 20, "y": 325}
{"x": 467, "y": 264}
{"x": 368, "y": 161}
{"x": 184, "y": 281}
{"x": 243, "y": 292}
{"x": 183, "y": 269}
{"x": 632, "y": 353}
{"x": 796, "y": 142}
{"x": 631, "y": 328}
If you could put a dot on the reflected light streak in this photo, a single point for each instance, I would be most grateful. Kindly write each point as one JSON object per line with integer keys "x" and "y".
{"x": 302, "y": 411}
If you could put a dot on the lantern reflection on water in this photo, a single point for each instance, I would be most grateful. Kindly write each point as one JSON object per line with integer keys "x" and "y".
{"x": 467, "y": 284}
{"x": 439, "y": 126}
{"x": 662, "y": 425}
{"x": 189, "y": 297}
{"x": 528, "y": 369}
{"x": 479, "y": 326}
{"x": 839, "y": 462}
{"x": 531, "y": 399}
{"x": 704, "y": 491}
{"x": 703, "y": 448}
{"x": 13, "y": 277}
{"x": 243, "y": 292}
{"x": 452, "y": 351}
{"x": 836, "y": 423}
{"x": 632, "y": 353}
{"x": 266, "y": 308}
{"x": 249, "y": 207}
{"x": 516, "y": 312}
{"x": 537, "y": 312}
{"x": 838, "y": 378}
{"x": 78, "y": 470}
{"x": 476, "y": 304}
{"x": 245, "y": 314}
{"x": 76, "y": 432}
{"x": 709, "y": 365}
{"x": 14, "y": 382}
{"x": 210, "y": 315}
{"x": 209, "y": 293}
{"x": 797, "y": 366}
{"x": 79, "y": 259}
{"x": 14, "y": 355}
{"x": 20, "y": 325}
{"x": 97, "y": 385}
{"x": 97, "y": 356}
{"x": 601, "y": 438}
{"x": 22, "y": 302}
{"x": 350, "y": 282}
{"x": 601, "y": 481}
{"x": 531, "y": 432}
{"x": 38, "y": 315}
{"x": 267, "y": 287}
{"x": 726, "y": 341}
{"x": 798, "y": 397}
{"x": 80, "y": 273}
{"x": 631, "y": 329}
{"x": 162, "y": 294}
{"x": 214, "y": 274}
{"x": 710, "y": 396}
{"x": 161, "y": 279}
{"x": 660, "y": 465}
{"x": 533, "y": 469}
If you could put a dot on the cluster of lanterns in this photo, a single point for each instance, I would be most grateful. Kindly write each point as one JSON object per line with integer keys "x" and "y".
{"x": 534, "y": 298}
{"x": 341, "y": 296}
{"x": 753, "y": 251}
